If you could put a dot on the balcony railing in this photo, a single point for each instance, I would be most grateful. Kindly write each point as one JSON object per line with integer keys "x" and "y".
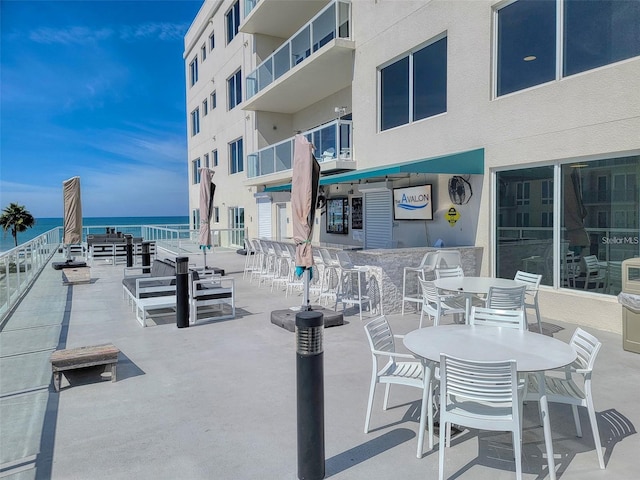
{"x": 331, "y": 22}
{"x": 332, "y": 142}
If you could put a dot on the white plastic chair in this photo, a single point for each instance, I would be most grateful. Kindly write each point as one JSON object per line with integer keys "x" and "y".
{"x": 481, "y": 395}
{"x": 351, "y": 289}
{"x": 330, "y": 278}
{"x": 449, "y": 258}
{"x": 449, "y": 272}
{"x": 506, "y": 298}
{"x": 435, "y": 305}
{"x": 566, "y": 390}
{"x": 532, "y": 281}
{"x": 428, "y": 263}
{"x": 410, "y": 373}
{"x": 491, "y": 317}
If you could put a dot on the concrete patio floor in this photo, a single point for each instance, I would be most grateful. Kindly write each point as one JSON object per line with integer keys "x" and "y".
{"x": 218, "y": 400}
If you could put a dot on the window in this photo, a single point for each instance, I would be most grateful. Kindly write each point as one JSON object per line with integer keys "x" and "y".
{"x": 236, "y": 223}
{"x": 523, "y": 190}
{"x": 591, "y": 222}
{"x": 214, "y": 100}
{"x": 212, "y": 41}
{"x": 236, "y": 163}
{"x": 214, "y": 156}
{"x": 526, "y": 45}
{"x": 195, "y": 171}
{"x": 599, "y": 33}
{"x": 216, "y": 215}
{"x": 547, "y": 192}
{"x": 206, "y": 160}
{"x": 233, "y": 21}
{"x": 591, "y": 34}
{"x": 195, "y": 122}
{"x": 414, "y": 87}
{"x": 234, "y": 87}
{"x": 203, "y": 52}
{"x": 193, "y": 71}
{"x": 205, "y": 107}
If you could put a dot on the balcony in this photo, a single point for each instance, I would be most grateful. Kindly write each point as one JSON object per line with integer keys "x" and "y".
{"x": 314, "y": 63}
{"x": 333, "y": 150}
{"x": 278, "y": 18}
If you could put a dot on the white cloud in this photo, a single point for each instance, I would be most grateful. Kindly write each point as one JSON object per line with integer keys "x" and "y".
{"x": 78, "y": 35}
{"x": 69, "y": 35}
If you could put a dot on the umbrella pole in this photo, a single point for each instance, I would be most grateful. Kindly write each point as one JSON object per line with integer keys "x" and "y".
{"x": 204, "y": 251}
{"x": 305, "y": 299}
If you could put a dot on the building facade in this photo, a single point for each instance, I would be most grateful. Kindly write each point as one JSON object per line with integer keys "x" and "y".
{"x": 511, "y": 125}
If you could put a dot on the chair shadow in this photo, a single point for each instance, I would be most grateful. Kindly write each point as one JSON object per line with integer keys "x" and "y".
{"x": 363, "y": 452}
{"x": 547, "y": 328}
{"x": 100, "y": 373}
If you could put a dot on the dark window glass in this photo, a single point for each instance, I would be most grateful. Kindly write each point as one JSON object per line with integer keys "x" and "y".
{"x": 394, "y": 89}
{"x": 234, "y": 85}
{"x": 599, "y": 33}
{"x": 430, "y": 80}
{"x": 236, "y": 156}
{"x": 526, "y": 45}
{"x": 233, "y": 21}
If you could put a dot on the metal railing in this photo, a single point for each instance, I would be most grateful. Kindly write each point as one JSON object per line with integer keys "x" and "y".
{"x": 331, "y": 22}
{"x": 332, "y": 141}
{"x": 20, "y": 266}
{"x": 185, "y": 241}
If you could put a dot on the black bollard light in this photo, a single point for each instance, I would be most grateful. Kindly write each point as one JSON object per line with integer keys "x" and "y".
{"x": 129, "y": 247}
{"x": 146, "y": 257}
{"x": 182, "y": 292}
{"x": 310, "y": 393}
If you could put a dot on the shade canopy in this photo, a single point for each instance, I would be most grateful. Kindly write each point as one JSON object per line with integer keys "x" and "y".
{"x": 72, "y": 211}
{"x": 207, "y": 190}
{"x": 470, "y": 162}
{"x": 304, "y": 194}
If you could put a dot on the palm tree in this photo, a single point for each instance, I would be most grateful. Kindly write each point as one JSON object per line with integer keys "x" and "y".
{"x": 17, "y": 218}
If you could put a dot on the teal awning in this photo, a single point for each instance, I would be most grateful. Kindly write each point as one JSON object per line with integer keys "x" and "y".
{"x": 470, "y": 162}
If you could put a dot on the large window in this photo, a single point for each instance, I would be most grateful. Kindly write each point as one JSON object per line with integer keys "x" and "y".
{"x": 414, "y": 87}
{"x": 236, "y": 223}
{"x": 193, "y": 71}
{"x": 592, "y": 34}
{"x": 234, "y": 89}
{"x": 233, "y": 21}
{"x": 598, "y": 206}
{"x": 236, "y": 162}
{"x": 195, "y": 122}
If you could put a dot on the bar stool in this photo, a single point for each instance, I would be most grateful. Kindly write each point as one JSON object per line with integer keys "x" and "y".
{"x": 346, "y": 293}
{"x": 330, "y": 278}
{"x": 428, "y": 264}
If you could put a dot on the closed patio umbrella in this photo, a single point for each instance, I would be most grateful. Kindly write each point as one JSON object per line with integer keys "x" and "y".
{"x": 304, "y": 194}
{"x": 575, "y": 212}
{"x": 207, "y": 190}
{"x": 72, "y": 203}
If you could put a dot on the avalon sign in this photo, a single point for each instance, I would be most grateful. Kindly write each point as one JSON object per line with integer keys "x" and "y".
{"x": 412, "y": 203}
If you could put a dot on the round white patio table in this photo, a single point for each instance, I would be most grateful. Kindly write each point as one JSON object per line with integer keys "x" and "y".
{"x": 532, "y": 352}
{"x": 470, "y": 286}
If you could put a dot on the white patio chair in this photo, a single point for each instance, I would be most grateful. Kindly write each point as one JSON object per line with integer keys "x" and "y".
{"x": 248, "y": 261}
{"x": 506, "y": 298}
{"x": 449, "y": 272}
{"x": 532, "y": 281}
{"x": 491, "y": 317}
{"x": 352, "y": 288}
{"x": 449, "y": 258}
{"x": 435, "y": 304}
{"x": 481, "y": 395}
{"x": 331, "y": 277}
{"x": 409, "y": 373}
{"x": 259, "y": 261}
{"x": 595, "y": 275}
{"x": 292, "y": 280}
{"x": 428, "y": 264}
{"x": 281, "y": 267}
{"x": 566, "y": 390}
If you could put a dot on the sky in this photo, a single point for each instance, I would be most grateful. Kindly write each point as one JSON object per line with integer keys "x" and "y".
{"x": 94, "y": 89}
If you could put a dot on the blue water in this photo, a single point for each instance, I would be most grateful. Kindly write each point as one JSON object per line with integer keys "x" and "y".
{"x": 43, "y": 225}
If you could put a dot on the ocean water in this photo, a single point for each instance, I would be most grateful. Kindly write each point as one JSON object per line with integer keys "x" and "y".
{"x": 43, "y": 225}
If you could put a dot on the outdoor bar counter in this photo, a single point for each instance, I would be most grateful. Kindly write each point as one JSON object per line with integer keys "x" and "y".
{"x": 387, "y": 266}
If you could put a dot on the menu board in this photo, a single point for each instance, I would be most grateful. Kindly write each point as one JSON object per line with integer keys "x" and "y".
{"x": 337, "y": 217}
{"x": 356, "y": 213}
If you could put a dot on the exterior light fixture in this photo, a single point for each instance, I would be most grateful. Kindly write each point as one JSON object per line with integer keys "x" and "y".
{"x": 529, "y": 58}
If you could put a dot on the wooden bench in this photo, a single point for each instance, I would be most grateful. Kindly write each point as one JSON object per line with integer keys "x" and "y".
{"x": 72, "y": 358}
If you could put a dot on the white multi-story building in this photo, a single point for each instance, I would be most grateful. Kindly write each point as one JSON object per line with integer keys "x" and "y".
{"x": 519, "y": 119}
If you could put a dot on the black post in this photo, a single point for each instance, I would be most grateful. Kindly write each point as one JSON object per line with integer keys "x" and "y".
{"x": 182, "y": 292}
{"x": 129, "y": 239}
{"x": 146, "y": 257}
{"x": 310, "y": 393}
